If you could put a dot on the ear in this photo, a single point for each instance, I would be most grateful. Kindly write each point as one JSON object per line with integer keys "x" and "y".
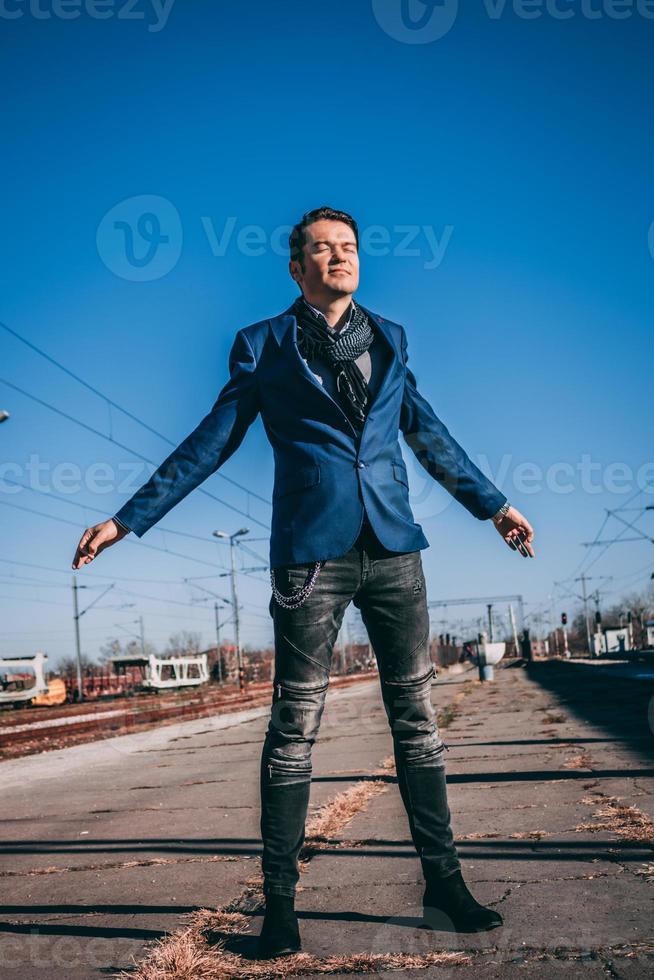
{"x": 295, "y": 270}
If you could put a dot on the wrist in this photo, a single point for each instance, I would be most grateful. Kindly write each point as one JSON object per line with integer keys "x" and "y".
{"x": 119, "y": 524}
{"x": 501, "y": 513}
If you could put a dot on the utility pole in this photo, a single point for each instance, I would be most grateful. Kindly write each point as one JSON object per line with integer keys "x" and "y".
{"x": 553, "y": 626}
{"x": 584, "y": 598}
{"x": 77, "y": 615}
{"x": 514, "y": 630}
{"x": 80, "y": 692}
{"x": 582, "y": 579}
{"x": 237, "y": 624}
{"x": 217, "y": 598}
{"x": 237, "y": 621}
{"x": 344, "y": 639}
{"x": 220, "y": 666}
{"x": 142, "y": 636}
{"x": 490, "y": 622}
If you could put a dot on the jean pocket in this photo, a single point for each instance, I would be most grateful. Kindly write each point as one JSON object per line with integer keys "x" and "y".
{"x": 293, "y": 772}
{"x": 295, "y": 689}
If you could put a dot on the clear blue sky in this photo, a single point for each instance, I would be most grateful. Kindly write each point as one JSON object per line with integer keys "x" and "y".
{"x": 519, "y": 154}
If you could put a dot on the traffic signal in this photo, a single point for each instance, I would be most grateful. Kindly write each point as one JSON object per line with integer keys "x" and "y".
{"x": 564, "y": 619}
{"x": 598, "y": 618}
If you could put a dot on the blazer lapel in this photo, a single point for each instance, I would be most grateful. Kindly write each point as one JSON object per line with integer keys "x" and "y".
{"x": 284, "y": 329}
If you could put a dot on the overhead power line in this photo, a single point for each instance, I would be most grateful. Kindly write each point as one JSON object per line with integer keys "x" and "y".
{"x": 117, "y": 406}
{"x": 139, "y": 544}
{"x": 122, "y": 445}
{"x": 98, "y": 510}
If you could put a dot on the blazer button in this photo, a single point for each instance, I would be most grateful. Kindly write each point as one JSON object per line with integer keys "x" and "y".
{"x": 360, "y": 464}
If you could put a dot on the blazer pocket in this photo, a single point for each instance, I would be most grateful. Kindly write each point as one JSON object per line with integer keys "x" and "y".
{"x": 400, "y": 474}
{"x": 298, "y": 479}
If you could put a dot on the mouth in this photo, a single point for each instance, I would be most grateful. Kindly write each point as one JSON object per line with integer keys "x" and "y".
{"x": 340, "y": 272}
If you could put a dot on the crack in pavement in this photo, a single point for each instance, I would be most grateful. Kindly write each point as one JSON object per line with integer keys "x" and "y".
{"x": 117, "y": 865}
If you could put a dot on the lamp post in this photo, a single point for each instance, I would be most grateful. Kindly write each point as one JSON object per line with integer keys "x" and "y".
{"x": 237, "y": 631}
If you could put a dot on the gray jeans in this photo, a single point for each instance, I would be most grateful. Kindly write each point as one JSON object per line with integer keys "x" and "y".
{"x": 389, "y": 589}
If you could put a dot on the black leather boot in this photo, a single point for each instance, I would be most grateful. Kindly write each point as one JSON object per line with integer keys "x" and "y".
{"x": 447, "y": 902}
{"x": 280, "y": 933}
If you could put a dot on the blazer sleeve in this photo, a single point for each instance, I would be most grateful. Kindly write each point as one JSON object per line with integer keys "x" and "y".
{"x": 211, "y": 443}
{"x": 441, "y": 455}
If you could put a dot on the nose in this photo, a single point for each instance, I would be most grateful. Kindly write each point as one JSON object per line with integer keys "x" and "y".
{"x": 338, "y": 258}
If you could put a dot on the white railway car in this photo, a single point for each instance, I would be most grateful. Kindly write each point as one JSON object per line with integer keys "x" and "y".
{"x": 165, "y": 674}
{"x": 22, "y": 679}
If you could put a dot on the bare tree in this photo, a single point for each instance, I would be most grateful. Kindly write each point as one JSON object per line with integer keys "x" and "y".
{"x": 68, "y": 665}
{"x": 110, "y": 649}
{"x": 184, "y": 643}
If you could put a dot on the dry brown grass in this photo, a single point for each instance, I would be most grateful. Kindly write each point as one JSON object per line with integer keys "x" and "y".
{"x": 518, "y": 835}
{"x": 530, "y": 835}
{"x": 646, "y": 871}
{"x": 331, "y": 818}
{"x": 581, "y": 761}
{"x": 183, "y": 958}
{"x": 198, "y": 952}
{"x": 616, "y": 817}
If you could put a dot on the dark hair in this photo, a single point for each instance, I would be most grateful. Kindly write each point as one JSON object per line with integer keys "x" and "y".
{"x": 297, "y": 238}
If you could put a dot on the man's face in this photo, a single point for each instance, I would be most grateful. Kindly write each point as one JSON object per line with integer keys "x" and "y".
{"x": 331, "y": 261}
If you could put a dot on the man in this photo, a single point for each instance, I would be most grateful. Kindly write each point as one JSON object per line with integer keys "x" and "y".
{"x": 331, "y": 381}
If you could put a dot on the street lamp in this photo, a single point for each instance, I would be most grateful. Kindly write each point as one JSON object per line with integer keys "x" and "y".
{"x": 237, "y": 631}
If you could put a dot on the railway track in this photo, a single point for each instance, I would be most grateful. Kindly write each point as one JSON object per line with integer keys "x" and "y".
{"x": 33, "y": 730}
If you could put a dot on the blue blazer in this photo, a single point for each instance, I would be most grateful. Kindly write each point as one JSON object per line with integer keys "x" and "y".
{"x": 325, "y": 473}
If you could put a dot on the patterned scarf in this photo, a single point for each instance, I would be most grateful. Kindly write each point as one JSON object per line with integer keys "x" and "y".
{"x": 314, "y": 339}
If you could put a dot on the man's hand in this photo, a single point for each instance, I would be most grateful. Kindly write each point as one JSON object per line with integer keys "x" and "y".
{"x": 96, "y": 539}
{"x": 516, "y": 531}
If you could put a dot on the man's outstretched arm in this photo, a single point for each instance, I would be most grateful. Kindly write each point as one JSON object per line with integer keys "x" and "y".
{"x": 211, "y": 443}
{"x": 448, "y": 463}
